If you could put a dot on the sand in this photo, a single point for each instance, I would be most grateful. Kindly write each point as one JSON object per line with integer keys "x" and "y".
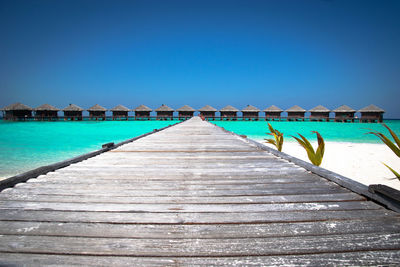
{"x": 361, "y": 162}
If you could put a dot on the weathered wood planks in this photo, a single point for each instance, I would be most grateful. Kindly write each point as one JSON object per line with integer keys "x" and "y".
{"x": 192, "y": 195}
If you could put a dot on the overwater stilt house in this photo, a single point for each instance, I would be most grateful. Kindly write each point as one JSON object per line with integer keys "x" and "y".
{"x": 97, "y": 112}
{"x": 250, "y": 113}
{"x": 208, "y": 112}
{"x": 164, "y": 113}
{"x": 17, "y": 111}
{"x": 120, "y": 112}
{"x": 185, "y": 112}
{"x": 371, "y": 113}
{"x": 142, "y": 112}
{"x": 319, "y": 113}
{"x": 273, "y": 113}
{"x": 295, "y": 113}
{"x": 228, "y": 113}
{"x": 344, "y": 114}
{"x": 46, "y": 112}
{"x": 73, "y": 113}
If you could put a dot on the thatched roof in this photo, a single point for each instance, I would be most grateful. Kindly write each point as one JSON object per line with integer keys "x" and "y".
{"x": 208, "y": 108}
{"x": 273, "y": 109}
{"x": 250, "y": 108}
{"x": 17, "y": 106}
{"x": 229, "y": 108}
{"x": 371, "y": 108}
{"x": 97, "y": 107}
{"x": 344, "y": 108}
{"x": 46, "y": 107}
{"x": 143, "y": 108}
{"x": 320, "y": 108}
{"x": 296, "y": 109}
{"x": 164, "y": 108}
{"x": 186, "y": 108}
{"x": 72, "y": 107}
{"x": 120, "y": 108}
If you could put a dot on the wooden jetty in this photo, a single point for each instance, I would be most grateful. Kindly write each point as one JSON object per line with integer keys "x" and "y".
{"x": 192, "y": 194}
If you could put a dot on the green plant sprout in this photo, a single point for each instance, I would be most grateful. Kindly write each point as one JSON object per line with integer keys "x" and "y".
{"x": 278, "y": 138}
{"x": 314, "y": 157}
{"x": 390, "y": 144}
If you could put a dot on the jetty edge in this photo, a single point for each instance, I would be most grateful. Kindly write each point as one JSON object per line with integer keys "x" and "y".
{"x": 382, "y": 194}
{"x": 192, "y": 195}
{"x": 23, "y": 177}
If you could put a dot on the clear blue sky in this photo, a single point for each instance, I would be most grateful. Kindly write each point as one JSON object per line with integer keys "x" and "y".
{"x": 328, "y": 52}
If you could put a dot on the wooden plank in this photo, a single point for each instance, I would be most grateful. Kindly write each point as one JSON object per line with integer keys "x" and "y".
{"x": 173, "y": 186}
{"x": 167, "y": 182}
{"x": 192, "y": 159}
{"x": 361, "y": 258}
{"x": 188, "y": 208}
{"x": 179, "y": 175}
{"x": 190, "y": 218}
{"x": 186, "y": 173}
{"x": 182, "y": 200}
{"x": 179, "y": 231}
{"x": 184, "y": 164}
{"x": 200, "y": 247}
{"x": 111, "y": 192}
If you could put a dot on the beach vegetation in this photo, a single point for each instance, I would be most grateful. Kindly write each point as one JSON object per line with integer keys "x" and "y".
{"x": 395, "y": 147}
{"x": 314, "y": 156}
{"x": 277, "y": 141}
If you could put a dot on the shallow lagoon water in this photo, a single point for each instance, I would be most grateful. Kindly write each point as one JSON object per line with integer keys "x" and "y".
{"x": 28, "y": 145}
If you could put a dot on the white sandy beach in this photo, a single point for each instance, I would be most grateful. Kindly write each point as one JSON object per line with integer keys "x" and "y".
{"x": 358, "y": 161}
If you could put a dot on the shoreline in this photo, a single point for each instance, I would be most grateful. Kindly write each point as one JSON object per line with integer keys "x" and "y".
{"x": 361, "y": 162}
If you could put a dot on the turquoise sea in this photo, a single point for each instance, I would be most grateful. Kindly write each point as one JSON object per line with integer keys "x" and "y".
{"x": 28, "y": 145}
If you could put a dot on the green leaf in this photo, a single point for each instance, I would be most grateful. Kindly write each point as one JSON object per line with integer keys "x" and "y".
{"x": 271, "y": 141}
{"x": 307, "y": 143}
{"x": 321, "y": 148}
{"x": 270, "y": 128}
{"x": 396, "y": 139}
{"x": 280, "y": 142}
{"x": 278, "y": 138}
{"x": 393, "y": 171}
{"x": 314, "y": 157}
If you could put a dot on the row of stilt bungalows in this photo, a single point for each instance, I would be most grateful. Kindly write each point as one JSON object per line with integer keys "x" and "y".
{"x": 343, "y": 113}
